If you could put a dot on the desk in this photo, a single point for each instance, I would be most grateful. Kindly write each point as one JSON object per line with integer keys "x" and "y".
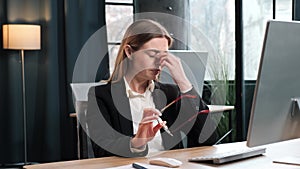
{"x": 273, "y": 151}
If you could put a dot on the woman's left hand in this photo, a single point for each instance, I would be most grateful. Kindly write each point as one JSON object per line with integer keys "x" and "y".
{"x": 174, "y": 65}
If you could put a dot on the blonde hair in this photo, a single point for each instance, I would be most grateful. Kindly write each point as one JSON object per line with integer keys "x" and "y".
{"x": 136, "y": 35}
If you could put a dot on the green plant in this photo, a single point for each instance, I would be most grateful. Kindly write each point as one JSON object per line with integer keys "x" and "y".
{"x": 222, "y": 92}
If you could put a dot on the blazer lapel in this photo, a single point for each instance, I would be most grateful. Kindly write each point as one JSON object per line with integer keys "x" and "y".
{"x": 122, "y": 105}
{"x": 160, "y": 101}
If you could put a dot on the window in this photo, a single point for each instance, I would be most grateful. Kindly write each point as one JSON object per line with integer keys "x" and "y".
{"x": 216, "y": 20}
{"x": 255, "y": 15}
{"x": 284, "y": 10}
{"x": 118, "y": 18}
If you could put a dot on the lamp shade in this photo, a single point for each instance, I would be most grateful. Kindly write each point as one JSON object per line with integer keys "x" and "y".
{"x": 21, "y": 36}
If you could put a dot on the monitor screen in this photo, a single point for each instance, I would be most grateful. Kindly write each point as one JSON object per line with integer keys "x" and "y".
{"x": 275, "y": 112}
{"x": 194, "y": 66}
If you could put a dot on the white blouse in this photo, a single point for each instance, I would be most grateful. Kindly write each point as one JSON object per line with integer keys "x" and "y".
{"x": 138, "y": 102}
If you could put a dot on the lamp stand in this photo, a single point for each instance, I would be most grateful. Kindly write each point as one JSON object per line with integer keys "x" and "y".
{"x": 24, "y": 107}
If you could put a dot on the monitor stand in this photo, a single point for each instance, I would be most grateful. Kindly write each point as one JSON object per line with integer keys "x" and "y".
{"x": 295, "y": 107}
{"x": 295, "y": 113}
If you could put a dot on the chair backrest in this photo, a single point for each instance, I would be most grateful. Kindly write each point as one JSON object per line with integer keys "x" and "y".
{"x": 80, "y": 93}
{"x": 80, "y": 90}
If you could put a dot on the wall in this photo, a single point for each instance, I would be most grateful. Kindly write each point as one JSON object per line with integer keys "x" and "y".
{"x": 51, "y": 133}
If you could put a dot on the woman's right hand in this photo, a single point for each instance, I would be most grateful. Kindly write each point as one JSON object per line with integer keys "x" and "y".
{"x": 174, "y": 65}
{"x": 146, "y": 130}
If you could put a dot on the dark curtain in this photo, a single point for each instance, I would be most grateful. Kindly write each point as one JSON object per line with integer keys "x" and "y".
{"x": 66, "y": 26}
{"x": 296, "y": 12}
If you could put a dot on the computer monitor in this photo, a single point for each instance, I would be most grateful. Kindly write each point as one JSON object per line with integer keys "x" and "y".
{"x": 275, "y": 114}
{"x": 194, "y": 65}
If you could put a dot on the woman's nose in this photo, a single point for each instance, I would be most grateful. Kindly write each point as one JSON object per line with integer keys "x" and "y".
{"x": 157, "y": 61}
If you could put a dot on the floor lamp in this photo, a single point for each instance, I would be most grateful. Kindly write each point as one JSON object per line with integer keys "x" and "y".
{"x": 22, "y": 37}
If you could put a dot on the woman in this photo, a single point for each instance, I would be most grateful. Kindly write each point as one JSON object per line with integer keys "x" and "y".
{"x": 123, "y": 114}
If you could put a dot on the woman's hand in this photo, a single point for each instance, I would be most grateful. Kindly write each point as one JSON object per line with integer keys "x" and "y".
{"x": 146, "y": 131}
{"x": 174, "y": 65}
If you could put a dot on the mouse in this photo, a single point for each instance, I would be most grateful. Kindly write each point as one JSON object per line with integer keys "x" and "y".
{"x": 166, "y": 162}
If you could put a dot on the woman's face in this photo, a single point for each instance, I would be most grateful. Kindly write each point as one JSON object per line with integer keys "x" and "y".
{"x": 146, "y": 61}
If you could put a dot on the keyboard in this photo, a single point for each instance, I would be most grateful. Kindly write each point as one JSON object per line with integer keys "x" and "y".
{"x": 226, "y": 157}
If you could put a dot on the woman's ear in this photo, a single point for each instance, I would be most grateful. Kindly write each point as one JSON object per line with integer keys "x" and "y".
{"x": 128, "y": 51}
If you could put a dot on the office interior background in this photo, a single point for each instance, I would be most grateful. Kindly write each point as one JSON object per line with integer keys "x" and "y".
{"x": 235, "y": 30}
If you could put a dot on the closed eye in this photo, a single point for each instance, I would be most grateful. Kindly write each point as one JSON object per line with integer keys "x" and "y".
{"x": 152, "y": 52}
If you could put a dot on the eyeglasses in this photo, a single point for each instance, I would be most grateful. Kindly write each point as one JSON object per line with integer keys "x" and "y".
{"x": 206, "y": 111}
{"x": 176, "y": 100}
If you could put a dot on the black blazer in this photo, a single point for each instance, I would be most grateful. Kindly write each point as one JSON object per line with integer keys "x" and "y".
{"x": 110, "y": 122}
